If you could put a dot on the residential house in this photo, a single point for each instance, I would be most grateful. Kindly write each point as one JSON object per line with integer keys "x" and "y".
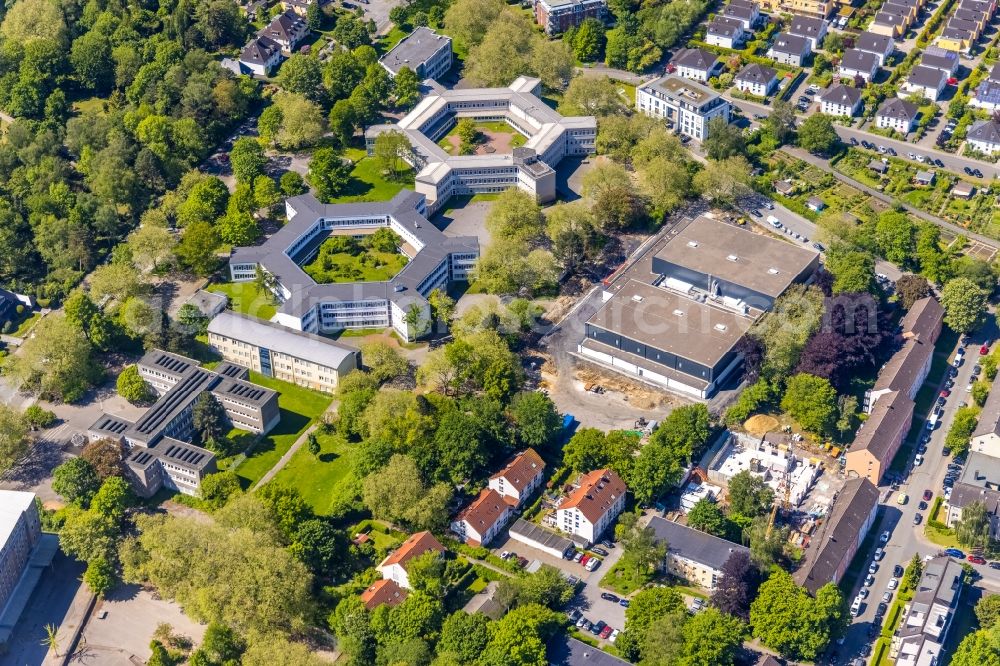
{"x": 686, "y": 106}
{"x": 564, "y": 650}
{"x": 725, "y": 32}
{"x": 994, "y": 74}
{"x": 879, "y": 167}
{"x": 956, "y": 39}
{"x": 879, "y": 437}
{"x": 979, "y": 482}
{"x": 808, "y": 27}
{"x": 880, "y": 45}
{"x": 841, "y": 100}
{"x": 986, "y": 436}
{"x": 520, "y": 477}
{"x": 924, "y": 178}
{"x": 890, "y": 25}
{"x": 907, "y": 11}
{"x": 692, "y": 555}
{"x": 963, "y": 190}
{"x": 592, "y": 507}
{"x": 976, "y": 18}
{"x": 384, "y": 591}
{"x": 984, "y": 136}
{"x": 857, "y": 63}
{"x": 425, "y": 52}
{"x": 840, "y": 536}
{"x": 789, "y": 49}
{"x": 815, "y": 204}
{"x": 936, "y": 57}
{"x": 926, "y": 82}
{"x": 393, "y": 567}
{"x": 260, "y": 56}
{"x": 696, "y": 64}
{"x": 923, "y": 631}
{"x": 300, "y": 7}
{"x": 558, "y": 16}
{"x": 924, "y": 321}
{"x": 986, "y": 96}
{"x": 757, "y": 80}
{"x": 480, "y": 522}
{"x": 818, "y": 8}
{"x": 987, "y": 7}
{"x": 972, "y": 27}
{"x": 897, "y": 114}
{"x": 746, "y": 12}
{"x": 287, "y": 29}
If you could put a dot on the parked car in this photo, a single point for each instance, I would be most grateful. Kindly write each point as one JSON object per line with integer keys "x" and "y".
{"x": 873, "y": 567}
{"x": 614, "y": 636}
{"x": 607, "y": 596}
{"x": 887, "y": 597}
{"x": 598, "y": 627}
{"x": 881, "y": 609}
{"x": 607, "y": 544}
{"x": 897, "y": 570}
{"x": 917, "y": 518}
{"x": 578, "y": 557}
{"x": 819, "y": 246}
{"x": 869, "y": 580}
{"x": 580, "y": 622}
{"x": 994, "y": 565}
{"x": 884, "y": 538}
{"x": 922, "y": 506}
{"x": 854, "y": 141}
{"x": 879, "y": 554}
{"x": 954, "y": 552}
{"x": 984, "y": 350}
{"x": 976, "y": 559}
{"x": 893, "y": 583}
{"x": 863, "y": 593}
{"x": 968, "y": 171}
{"x": 593, "y": 564}
{"x": 600, "y": 551}
{"x": 606, "y": 631}
{"x": 918, "y": 460}
{"x": 574, "y": 615}
{"x": 624, "y": 602}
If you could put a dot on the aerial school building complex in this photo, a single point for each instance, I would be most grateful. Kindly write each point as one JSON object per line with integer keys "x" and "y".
{"x": 435, "y": 260}
{"x": 674, "y": 317}
{"x": 549, "y": 137}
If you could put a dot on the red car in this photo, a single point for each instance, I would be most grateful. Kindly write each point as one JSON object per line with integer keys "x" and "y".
{"x": 975, "y": 559}
{"x": 928, "y": 495}
{"x": 606, "y": 631}
{"x": 585, "y": 559}
{"x": 984, "y": 350}
{"x": 945, "y": 393}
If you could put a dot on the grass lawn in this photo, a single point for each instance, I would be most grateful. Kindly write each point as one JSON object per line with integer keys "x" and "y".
{"x": 319, "y": 479}
{"x": 245, "y": 297}
{"x": 624, "y": 580}
{"x": 496, "y": 126}
{"x": 26, "y": 324}
{"x": 368, "y": 266}
{"x": 368, "y": 183}
{"x": 94, "y": 104}
{"x": 299, "y": 408}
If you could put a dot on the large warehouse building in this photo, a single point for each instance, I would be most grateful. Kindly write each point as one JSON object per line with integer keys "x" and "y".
{"x": 674, "y": 317}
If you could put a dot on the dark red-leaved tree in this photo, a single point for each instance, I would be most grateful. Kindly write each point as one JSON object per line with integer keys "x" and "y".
{"x": 737, "y": 586}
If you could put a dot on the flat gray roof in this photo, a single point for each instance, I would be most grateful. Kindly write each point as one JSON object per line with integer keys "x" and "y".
{"x": 414, "y": 49}
{"x": 306, "y": 346}
{"x": 679, "y": 88}
{"x": 755, "y": 261}
{"x": 671, "y": 323}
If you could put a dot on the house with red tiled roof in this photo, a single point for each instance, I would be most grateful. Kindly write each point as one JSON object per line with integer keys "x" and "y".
{"x": 480, "y": 522}
{"x": 383, "y": 591}
{"x": 393, "y": 567}
{"x": 520, "y": 477}
{"x": 593, "y": 505}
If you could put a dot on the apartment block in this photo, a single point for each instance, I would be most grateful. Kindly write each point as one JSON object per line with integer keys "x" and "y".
{"x": 686, "y": 106}
{"x": 426, "y": 53}
{"x": 558, "y": 16}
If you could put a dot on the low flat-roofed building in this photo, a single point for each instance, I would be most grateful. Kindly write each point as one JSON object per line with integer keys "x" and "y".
{"x": 693, "y": 555}
{"x": 302, "y": 358}
{"x": 536, "y": 536}
{"x": 687, "y": 106}
{"x": 879, "y": 437}
{"x": 675, "y": 316}
{"x": 979, "y": 482}
{"x": 920, "y": 637}
{"x": 424, "y": 51}
{"x": 843, "y": 531}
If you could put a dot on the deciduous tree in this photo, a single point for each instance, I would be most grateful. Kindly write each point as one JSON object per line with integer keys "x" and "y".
{"x": 812, "y": 402}
{"x": 132, "y": 386}
{"x": 964, "y": 305}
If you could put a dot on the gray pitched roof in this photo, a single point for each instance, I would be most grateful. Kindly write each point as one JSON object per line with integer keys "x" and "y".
{"x": 945, "y": 60}
{"x": 860, "y": 61}
{"x": 806, "y": 26}
{"x": 259, "y": 50}
{"x": 790, "y": 44}
{"x": 841, "y": 94}
{"x": 927, "y": 77}
{"x": 987, "y": 131}
{"x": 725, "y": 26}
{"x": 923, "y": 319}
{"x": 995, "y": 73}
{"x": 755, "y": 73}
{"x": 897, "y": 109}
{"x": 989, "y": 417}
{"x": 563, "y": 650}
{"x": 872, "y": 43}
{"x": 853, "y": 505}
{"x": 693, "y": 544}
{"x": 696, "y": 59}
{"x": 877, "y": 434}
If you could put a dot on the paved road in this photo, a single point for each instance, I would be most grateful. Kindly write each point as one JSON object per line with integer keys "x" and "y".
{"x": 906, "y": 538}
{"x": 955, "y": 163}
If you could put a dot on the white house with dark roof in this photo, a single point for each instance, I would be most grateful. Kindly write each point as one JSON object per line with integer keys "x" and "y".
{"x": 692, "y": 555}
{"x": 926, "y": 82}
{"x": 984, "y": 136}
{"x": 856, "y": 63}
{"x": 260, "y": 56}
{"x": 757, "y": 80}
{"x": 696, "y": 64}
{"x": 841, "y": 100}
{"x": 789, "y": 50}
{"x": 725, "y": 32}
{"x": 686, "y": 106}
{"x": 813, "y": 29}
{"x": 938, "y": 58}
{"x": 986, "y": 96}
{"x": 748, "y": 13}
{"x": 986, "y": 436}
{"x": 288, "y": 29}
{"x": 890, "y": 25}
{"x": 880, "y": 45}
{"x": 897, "y": 114}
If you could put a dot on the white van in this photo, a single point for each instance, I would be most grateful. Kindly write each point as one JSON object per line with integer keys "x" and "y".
{"x": 773, "y": 221}
{"x": 856, "y": 606}
{"x": 932, "y": 421}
